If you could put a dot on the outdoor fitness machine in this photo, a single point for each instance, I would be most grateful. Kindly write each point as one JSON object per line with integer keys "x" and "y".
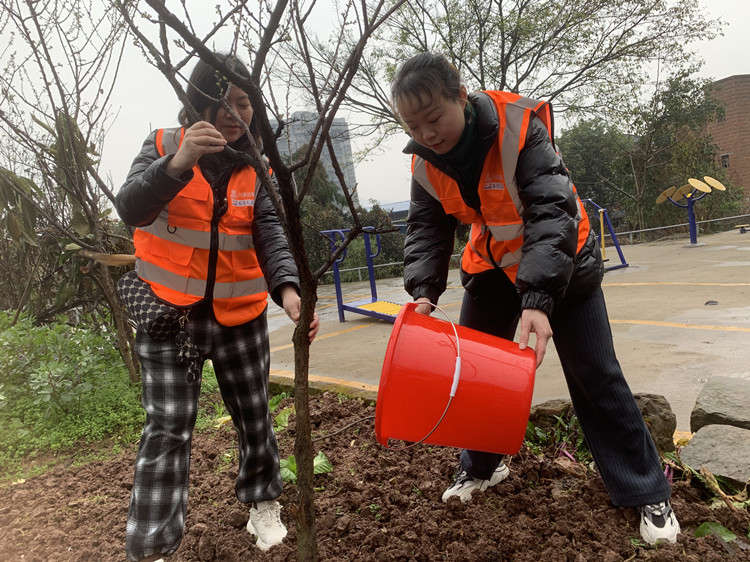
{"x": 688, "y": 192}
{"x": 604, "y": 219}
{"x": 371, "y": 306}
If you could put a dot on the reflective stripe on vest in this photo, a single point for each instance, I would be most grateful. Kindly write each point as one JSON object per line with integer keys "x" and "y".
{"x": 196, "y": 238}
{"x": 197, "y": 287}
{"x": 167, "y": 140}
{"x": 499, "y": 224}
{"x": 174, "y": 252}
{"x": 508, "y": 259}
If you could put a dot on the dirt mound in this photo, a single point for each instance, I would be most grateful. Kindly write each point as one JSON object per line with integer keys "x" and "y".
{"x": 376, "y": 505}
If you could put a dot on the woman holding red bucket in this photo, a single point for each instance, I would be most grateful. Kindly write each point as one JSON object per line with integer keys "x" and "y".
{"x": 488, "y": 159}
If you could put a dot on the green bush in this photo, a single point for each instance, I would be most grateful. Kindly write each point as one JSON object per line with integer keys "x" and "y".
{"x": 61, "y": 385}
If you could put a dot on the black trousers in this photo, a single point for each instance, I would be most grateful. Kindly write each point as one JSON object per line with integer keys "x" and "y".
{"x": 614, "y": 429}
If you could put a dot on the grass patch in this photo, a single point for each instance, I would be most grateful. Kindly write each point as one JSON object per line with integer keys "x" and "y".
{"x": 62, "y": 388}
{"x": 65, "y": 397}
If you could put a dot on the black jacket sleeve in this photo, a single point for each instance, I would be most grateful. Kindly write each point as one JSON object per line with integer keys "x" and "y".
{"x": 550, "y": 218}
{"x": 148, "y": 188}
{"x": 428, "y": 245}
{"x": 271, "y": 247}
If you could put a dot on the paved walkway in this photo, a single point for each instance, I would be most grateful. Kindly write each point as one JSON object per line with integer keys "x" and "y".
{"x": 680, "y": 314}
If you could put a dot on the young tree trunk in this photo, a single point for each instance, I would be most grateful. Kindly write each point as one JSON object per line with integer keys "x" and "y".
{"x": 126, "y": 344}
{"x": 307, "y": 545}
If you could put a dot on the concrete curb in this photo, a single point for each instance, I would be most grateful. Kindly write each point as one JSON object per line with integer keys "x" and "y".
{"x": 280, "y": 380}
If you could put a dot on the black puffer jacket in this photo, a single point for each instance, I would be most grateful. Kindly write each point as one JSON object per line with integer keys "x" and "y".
{"x": 549, "y": 267}
{"x": 148, "y": 189}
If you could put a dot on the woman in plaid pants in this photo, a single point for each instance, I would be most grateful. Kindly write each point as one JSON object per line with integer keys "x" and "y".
{"x": 207, "y": 241}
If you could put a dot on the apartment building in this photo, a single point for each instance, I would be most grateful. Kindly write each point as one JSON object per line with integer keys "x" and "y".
{"x": 297, "y": 133}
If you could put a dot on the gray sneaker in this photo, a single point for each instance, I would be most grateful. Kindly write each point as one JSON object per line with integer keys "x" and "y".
{"x": 265, "y": 523}
{"x": 658, "y": 523}
{"x": 464, "y": 484}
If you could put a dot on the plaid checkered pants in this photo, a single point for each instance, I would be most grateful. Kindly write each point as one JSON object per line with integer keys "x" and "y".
{"x": 240, "y": 356}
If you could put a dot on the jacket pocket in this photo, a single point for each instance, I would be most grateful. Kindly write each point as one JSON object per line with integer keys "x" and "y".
{"x": 239, "y": 216}
{"x": 455, "y": 206}
{"x": 501, "y": 213}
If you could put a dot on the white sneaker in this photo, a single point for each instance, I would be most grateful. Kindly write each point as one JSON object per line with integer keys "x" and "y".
{"x": 464, "y": 484}
{"x": 265, "y": 523}
{"x": 658, "y": 523}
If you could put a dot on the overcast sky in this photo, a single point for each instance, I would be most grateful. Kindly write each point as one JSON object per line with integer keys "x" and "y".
{"x": 385, "y": 177}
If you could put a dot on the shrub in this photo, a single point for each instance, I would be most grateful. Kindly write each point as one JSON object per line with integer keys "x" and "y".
{"x": 61, "y": 385}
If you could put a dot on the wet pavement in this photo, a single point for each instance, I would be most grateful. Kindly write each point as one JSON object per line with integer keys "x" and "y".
{"x": 680, "y": 314}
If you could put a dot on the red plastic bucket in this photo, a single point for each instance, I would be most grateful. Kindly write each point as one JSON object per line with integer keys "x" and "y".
{"x": 490, "y": 409}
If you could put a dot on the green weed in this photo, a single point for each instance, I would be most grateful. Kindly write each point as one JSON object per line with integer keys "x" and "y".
{"x": 375, "y": 511}
{"x": 220, "y": 410}
{"x": 281, "y": 421}
{"x": 716, "y": 530}
{"x": 274, "y": 402}
{"x": 636, "y": 542}
{"x": 226, "y": 461}
{"x": 321, "y": 465}
{"x": 563, "y": 438}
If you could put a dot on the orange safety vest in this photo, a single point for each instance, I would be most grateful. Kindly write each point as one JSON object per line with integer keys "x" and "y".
{"x": 173, "y": 252}
{"x": 497, "y": 232}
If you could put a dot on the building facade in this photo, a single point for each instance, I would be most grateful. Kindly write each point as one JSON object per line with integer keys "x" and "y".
{"x": 732, "y": 134}
{"x": 297, "y": 133}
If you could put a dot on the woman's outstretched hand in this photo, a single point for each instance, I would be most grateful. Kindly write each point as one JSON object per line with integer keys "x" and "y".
{"x": 202, "y": 138}
{"x": 291, "y": 302}
{"x": 534, "y": 320}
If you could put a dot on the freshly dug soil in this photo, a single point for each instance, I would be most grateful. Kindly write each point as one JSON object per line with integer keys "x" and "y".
{"x": 375, "y": 505}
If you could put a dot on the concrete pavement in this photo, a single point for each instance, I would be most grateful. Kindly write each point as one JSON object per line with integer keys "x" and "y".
{"x": 680, "y": 314}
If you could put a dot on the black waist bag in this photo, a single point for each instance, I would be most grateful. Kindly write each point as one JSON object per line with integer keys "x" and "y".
{"x": 158, "y": 319}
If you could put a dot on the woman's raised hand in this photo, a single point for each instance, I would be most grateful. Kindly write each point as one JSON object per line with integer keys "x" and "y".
{"x": 202, "y": 138}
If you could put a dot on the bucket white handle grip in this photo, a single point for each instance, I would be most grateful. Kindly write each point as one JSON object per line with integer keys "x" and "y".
{"x": 457, "y": 370}
{"x": 456, "y": 376}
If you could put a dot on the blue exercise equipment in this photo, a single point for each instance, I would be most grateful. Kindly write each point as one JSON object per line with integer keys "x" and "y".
{"x": 604, "y": 220}
{"x": 370, "y": 306}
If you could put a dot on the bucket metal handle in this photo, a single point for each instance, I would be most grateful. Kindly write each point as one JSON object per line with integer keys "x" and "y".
{"x": 454, "y": 386}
